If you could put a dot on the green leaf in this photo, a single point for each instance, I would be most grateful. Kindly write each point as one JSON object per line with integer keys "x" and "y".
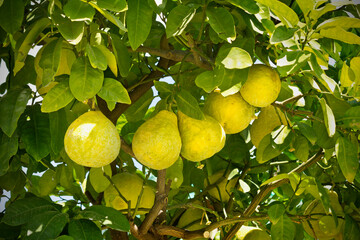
{"x": 236, "y": 148}
{"x": 115, "y": 20}
{"x": 178, "y": 19}
{"x": 249, "y": 5}
{"x": 276, "y": 178}
{"x": 231, "y": 79}
{"x": 77, "y": 10}
{"x": 282, "y": 11}
{"x": 266, "y": 151}
{"x": 206, "y": 81}
{"x": 107, "y": 216}
{"x": 85, "y": 82}
{"x": 328, "y": 82}
{"x": 282, "y": 33}
{"x": 137, "y": 110}
{"x": 58, "y": 97}
{"x": 110, "y": 58}
{"x": 35, "y": 133}
{"x": 114, "y": 91}
{"x": 31, "y": 35}
{"x": 222, "y": 22}
{"x": 284, "y": 229}
{"x": 315, "y": 14}
{"x": 163, "y": 87}
{"x": 301, "y": 148}
{"x": 122, "y": 55}
{"x": 22, "y": 210}
{"x": 64, "y": 237}
{"x": 47, "y": 182}
{"x": 352, "y": 118}
{"x": 113, "y": 5}
{"x": 96, "y": 57}
{"x": 71, "y": 31}
{"x": 26, "y": 75}
{"x": 276, "y": 211}
{"x": 139, "y": 20}
{"x": 328, "y": 118}
{"x": 175, "y": 173}
{"x": 13, "y": 103}
{"x": 8, "y": 148}
{"x": 11, "y": 15}
{"x": 345, "y": 77}
{"x": 50, "y": 60}
{"x": 237, "y": 58}
{"x": 307, "y": 131}
{"x": 340, "y": 34}
{"x": 83, "y": 229}
{"x": 306, "y": 6}
{"x": 346, "y": 153}
{"x": 47, "y": 225}
{"x": 97, "y": 178}
{"x": 351, "y": 229}
{"x": 188, "y": 104}
{"x": 342, "y": 22}
{"x": 58, "y": 127}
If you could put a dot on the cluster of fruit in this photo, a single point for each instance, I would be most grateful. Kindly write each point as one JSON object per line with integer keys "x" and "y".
{"x": 159, "y": 142}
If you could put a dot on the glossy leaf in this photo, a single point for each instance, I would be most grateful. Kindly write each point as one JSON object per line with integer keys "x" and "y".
{"x": 188, "y": 104}
{"x": 50, "y": 60}
{"x": 71, "y": 31}
{"x": 276, "y": 211}
{"x": 22, "y": 210}
{"x": 276, "y": 178}
{"x": 352, "y": 118}
{"x": 113, "y": 91}
{"x": 107, "y": 216}
{"x": 138, "y": 109}
{"x": 13, "y": 103}
{"x": 110, "y": 58}
{"x": 178, "y": 19}
{"x": 266, "y": 151}
{"x": 346, "y": 153}
{"x": 85, "y": 82}
{"x": 97, "y": 178}
{"x": 237, "y": 58}
{"x": 206, "y": 81}
{"x": 342, "y": 22}
{"x": 302, "y": 148}
{"x": 283, "y": 229}
{"x": 11, "y": 15}
{"x": 47, "y": 225}
{"x": 35, "y": 133}
{"x": 47, "y": 182}
{"x": 77, "y": 10}
{"x": 96, "y": 57}
{"x": 58, "y": 97}
{"x": 282, "y": 33}
{"x": 340, "y": 34}
{"x": 58, "y": 127}
{"x": 307, "y": 131}
{"x": 306, "y": 6}
{"x": 83, "y": 229}
{"x": 282, "y": 11}
{"x": 113, "y": 5}
{"x": 175, "y": 173}
{"x": 222, "y": 22}
{"x": 325, "y": 80}
{"x": 121, "y": 54}
{"x": 139, "y": 21}
{"x": 328, "y": 118}
{"x": 113, "y": 19}
{"x": 249, "y": 5}
{"x": 8, "y": 148}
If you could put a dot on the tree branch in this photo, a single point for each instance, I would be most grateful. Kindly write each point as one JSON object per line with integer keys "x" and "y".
{"x": 265, "y": 190}
{"x": 181, "y": 233}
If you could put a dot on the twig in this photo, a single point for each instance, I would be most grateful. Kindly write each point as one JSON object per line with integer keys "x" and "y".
{"x": 127, "y": 148}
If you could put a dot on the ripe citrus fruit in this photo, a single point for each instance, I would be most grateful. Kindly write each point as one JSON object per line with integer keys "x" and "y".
{"x": 222, "y": 191}
{"x": 92, "y": 140}
{"x": 262, "y": 86}
{"x": 252, "y": 233}
{"x": 200, "y": 139}
{"x": 157, "y": 143}
{"x": 232, "y": 112}
{"x": 268, "y": 119}
{"x": 129, "y": 185}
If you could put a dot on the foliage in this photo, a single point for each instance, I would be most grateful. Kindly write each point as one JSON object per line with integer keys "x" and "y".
{"x": 112, "y": 55}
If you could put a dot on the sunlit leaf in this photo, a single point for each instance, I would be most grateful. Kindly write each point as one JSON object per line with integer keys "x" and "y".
{"x": 58, "y": 97}
{"x": 283, "y": 229}
{"x": 340, "y": 34}
{"x": 346, "y": 153}
{"x": 78, "y": 10}
{"x": 188, "y": 104}
{"x": 96, "y": 57}
{"x": 121, "y": 54}
{"x": 113, "y": 5}
{"x": 114, "y": 91}
{"x": 282, "y": 33}
{"x": 249, "y": 5}
{"x": 178, "y": 19}
{"x": 50, "y": 60}
{"x": 222, "y": 22}
{"x": 237, "y": 58}
{"x": 97, "y": 178}
{"x": 276, "y": 211}
{"x": 328, "y": 118}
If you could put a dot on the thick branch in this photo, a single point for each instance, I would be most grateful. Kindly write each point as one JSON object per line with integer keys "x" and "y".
{"x": 181, "y": 233}
{"x": 265, "y": 190}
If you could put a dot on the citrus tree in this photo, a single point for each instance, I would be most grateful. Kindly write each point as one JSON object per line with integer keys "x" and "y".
{"x": 144, "y": 119}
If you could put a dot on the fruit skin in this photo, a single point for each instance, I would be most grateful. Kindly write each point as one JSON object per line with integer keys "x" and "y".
{"x": 232, "y": 112}
{"x": 268, "y": 119}
{"x": 224, "y": 187}
{"x": 92, "y": 140}
{"x": 200, "y": 139}
{"x": 252, "y": 233}
{"x": 262, "y": 86}
{"x": 157, "y": 143}
{"x": 130, "y": 186}
{"x": 324, "y": 226}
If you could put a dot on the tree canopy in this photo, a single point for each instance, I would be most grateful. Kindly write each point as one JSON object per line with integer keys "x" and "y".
{"x": 292, "y": 173}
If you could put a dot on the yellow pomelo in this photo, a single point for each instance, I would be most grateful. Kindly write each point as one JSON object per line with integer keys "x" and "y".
{"x": 324, "y": 226}
{"x": 232, "y": 112}
{"x": 269, "y": 118}
{"x": 92, "y": 140}
{"x": 157, "y": 143}
{"x": 200, "y": 139}
{"x": 262, "y": 86}
{"x": 129, "y": 185}
{"x": 252, "y": 233}
{"x": 222, "y": 191}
